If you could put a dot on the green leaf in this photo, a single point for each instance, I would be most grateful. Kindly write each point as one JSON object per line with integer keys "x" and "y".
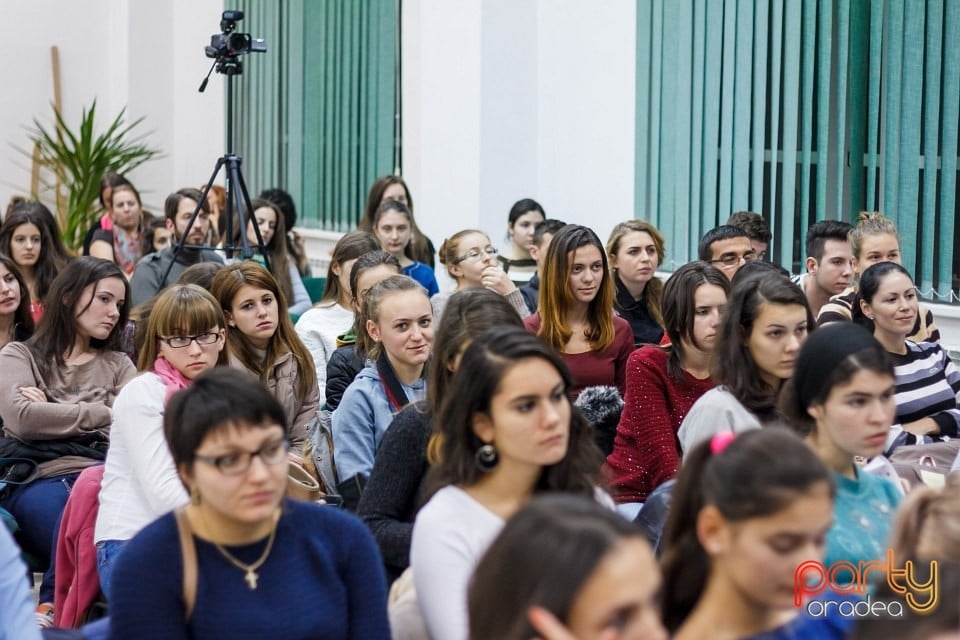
{"x": 80, "y": 157}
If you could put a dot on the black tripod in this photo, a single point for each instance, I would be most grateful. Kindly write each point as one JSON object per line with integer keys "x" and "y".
{"x": 238, "y": 200}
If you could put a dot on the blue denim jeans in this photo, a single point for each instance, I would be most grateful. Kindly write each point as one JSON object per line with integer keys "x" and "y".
{"x": 107, "y": 552}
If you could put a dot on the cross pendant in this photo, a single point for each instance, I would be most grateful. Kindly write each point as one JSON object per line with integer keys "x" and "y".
{"x": 251, "y": 579}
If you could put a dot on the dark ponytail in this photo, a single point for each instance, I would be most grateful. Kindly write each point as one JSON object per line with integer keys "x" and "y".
{"x": 758, "y": 474}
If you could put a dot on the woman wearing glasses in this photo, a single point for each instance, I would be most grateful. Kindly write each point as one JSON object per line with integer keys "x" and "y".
{"x": 184, "y": 338}
{"x": 240, "y": 561}
{"x": 262, "y": 340}
{"x": 471, "y": 261}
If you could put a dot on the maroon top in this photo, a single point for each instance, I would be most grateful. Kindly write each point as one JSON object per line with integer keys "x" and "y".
{"x": 645, "y": 451}
{"x": 592, "y": 368}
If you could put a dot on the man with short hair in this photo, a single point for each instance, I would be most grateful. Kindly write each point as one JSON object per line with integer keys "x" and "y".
{"x": 829, "y": 263}
{"x": 154, "y": 272}
{"x": 756, "y": 228}
{"x": 727, "y": 248}
{"x": 542, "y": 235}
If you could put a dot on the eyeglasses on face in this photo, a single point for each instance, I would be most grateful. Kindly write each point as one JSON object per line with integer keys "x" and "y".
{"x": 473, "y": 254}
{"x": 732, "y": 259}
{"x": 234, "y": 464}
{"x": 179, "y": 342}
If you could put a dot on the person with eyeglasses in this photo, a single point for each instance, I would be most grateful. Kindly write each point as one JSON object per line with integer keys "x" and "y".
{"x": 265, "y": 566}
{"x": 184, "y": 338}
{"x": 727, "y": 248}
{"x": 471, "y": 260}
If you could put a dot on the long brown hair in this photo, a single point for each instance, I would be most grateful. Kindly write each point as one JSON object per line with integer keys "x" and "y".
{"x": 276, "y": 250}
{"x": 419, "y": 247}
{"x": 56, "y": 333}
{"x": 350, "y": 247}
{"x": 556, "y": 297}
{"x": 226, "y": 284}
{"x": 482, "y": 369}
{"x": 53, "y": 256}
{"x": 732, "y": 364}
{"x": 22, "y": 318}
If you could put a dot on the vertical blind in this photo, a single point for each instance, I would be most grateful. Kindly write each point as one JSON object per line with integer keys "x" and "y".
{"x": 802, "y": 110}
{"x": 318, "y": 113}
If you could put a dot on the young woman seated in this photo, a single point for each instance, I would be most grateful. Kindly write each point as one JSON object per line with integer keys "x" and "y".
{"x": 606, "y": 586}
{"x": 636, "y": 249}
{"x": 507, "y": 432}
{"x": 764, "y": 324}
{"x": 56, "y": 394}
{"x": 333, "y": 316}
{"x": 255, "y": 565}
{"x": 261, "y": 339}
{"x": 399, "y": 323}
{"x": 927, "y": 380}
{"x": 747, "y": 510}
{"x": 471, "y": 261}
{"x": 664, "y": 382}
{"x": 184, "y": 337}
{"x": 575, "y": 316}
{"x": 397, "y": 481}
{"x": 394, "y": 227}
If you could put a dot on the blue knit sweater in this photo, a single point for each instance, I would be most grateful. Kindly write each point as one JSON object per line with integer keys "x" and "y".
{"x": 862, "y": 518}
{"x": 322, "y": 579}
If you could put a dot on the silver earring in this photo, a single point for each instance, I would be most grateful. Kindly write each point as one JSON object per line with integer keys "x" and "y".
{"x": 486, "y": 458}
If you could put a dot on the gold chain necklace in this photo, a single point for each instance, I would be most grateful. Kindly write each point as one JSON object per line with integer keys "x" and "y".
{"x": 250, "y": 570}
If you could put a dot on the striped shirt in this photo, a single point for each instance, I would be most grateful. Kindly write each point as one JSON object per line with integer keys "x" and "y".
{"x": 840, "y": 308}
{"x": 927, "y": 383}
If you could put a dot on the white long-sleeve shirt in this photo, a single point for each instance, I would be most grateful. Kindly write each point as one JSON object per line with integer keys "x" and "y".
{"x": 318, "y": 328}
{"x": 140, "y": 481}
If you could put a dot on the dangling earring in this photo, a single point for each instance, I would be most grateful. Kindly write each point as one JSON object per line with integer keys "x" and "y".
{"x": 194, "y": 496}
{"x": 486, "y": 458}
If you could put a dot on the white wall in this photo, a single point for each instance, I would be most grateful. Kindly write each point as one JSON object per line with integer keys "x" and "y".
{"x": 505, "y": 99}
{"x": 147, "y": 56}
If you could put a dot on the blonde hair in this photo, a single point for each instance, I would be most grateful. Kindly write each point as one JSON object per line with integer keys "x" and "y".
{"x": 375, "y": 297}
{"x": 928, "y": 525}
{"x": 870, "y": 223}
{"x": 183, "y": 309}
{"x": 654, "y": 288}
{"x": 450, "y": 248}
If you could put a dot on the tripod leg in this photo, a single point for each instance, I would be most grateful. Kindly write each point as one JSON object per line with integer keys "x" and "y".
{"x": 178, "y": 246}
{"x": 238, "y": 179}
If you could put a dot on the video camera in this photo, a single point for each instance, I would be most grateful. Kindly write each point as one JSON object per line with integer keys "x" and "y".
{"x": 229, "y": 44}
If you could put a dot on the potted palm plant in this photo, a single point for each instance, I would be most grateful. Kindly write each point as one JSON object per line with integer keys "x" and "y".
{"x": 79, "y": 158}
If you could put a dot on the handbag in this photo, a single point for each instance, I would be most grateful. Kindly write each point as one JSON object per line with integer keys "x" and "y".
{"x": 926, "y": 464}
{"x": 16, "y": 471}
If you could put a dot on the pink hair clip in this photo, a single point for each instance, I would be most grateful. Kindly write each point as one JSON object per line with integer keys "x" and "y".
{"x": 720, "y": 441}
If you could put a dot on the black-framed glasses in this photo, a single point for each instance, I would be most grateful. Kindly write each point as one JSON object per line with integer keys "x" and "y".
{"x": 234, "y": 464}
{"x": 203, "y": 339}
{"x": 732, "y": 259}
{"x": 473, "y": 254}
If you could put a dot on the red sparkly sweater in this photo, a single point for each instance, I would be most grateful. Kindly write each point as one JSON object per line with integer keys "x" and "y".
{"x": 646, "y": 452}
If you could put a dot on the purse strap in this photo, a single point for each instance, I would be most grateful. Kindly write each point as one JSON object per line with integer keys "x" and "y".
{"x": 188, "y": 551}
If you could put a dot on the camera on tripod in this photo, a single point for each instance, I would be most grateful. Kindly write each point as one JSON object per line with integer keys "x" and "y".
{"x": 229, "y": 44}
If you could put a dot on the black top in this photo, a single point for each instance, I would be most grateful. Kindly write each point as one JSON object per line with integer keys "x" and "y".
{"x": 396, "y": 485}
{"x": 342, "y": 367}
{"x": 645, "y": 328}
{"x": 531, "y": 292}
